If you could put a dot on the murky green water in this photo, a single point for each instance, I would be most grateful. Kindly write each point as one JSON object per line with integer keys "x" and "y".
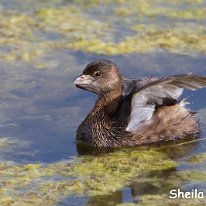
{"x": 44, "y": 45}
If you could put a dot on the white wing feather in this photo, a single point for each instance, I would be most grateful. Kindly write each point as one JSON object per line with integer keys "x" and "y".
{"x": 143, "y": 103}
{"x": 148, "y": 96}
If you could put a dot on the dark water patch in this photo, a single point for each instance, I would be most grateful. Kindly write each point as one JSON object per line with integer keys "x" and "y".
{"x": 73, "y": 201}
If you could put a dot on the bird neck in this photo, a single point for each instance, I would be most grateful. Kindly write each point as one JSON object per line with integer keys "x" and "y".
{"x": 108, "y": 103}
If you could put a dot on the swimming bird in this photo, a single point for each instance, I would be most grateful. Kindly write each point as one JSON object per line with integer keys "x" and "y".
{"x": 131, "y": 112}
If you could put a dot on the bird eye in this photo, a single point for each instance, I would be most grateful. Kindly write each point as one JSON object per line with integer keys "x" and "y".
{"x": 97, "y": 73}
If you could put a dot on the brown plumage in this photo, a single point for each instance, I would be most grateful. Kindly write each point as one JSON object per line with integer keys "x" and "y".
{"x": 132, "y": 112}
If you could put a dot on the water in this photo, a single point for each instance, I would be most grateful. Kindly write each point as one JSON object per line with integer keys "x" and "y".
{"x": 43, "y": 109}
{"x": 40, "y": 110}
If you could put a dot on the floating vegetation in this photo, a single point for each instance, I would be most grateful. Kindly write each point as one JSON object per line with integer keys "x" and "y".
{"x": 174, "y": 180}
{"x": 70, "y": 22}
{"x": 157, "y": 8}
{"x": 198, "y": 158}
{"x": 36, "y": 184}
{"x": 16, "y": 34}
{"x": 93, "y": 26}
{"x": 46, "y": 184}
{"x": 170, "y": 40}
{"x": 162, "y": 200}
{"x": 9, "y": 143}
{"x": 4, "y": 142}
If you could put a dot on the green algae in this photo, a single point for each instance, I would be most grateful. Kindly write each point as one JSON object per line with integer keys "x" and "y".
{"x": 197, "y": 158}
{"x": 173, "y": 40}
{"x": 91, "y": 176}
{"x": 70, "y": 22}
{"x": 26, "y": 36}
{"x": 157, "y": 8}
{"x": 172, "y": 181}
{"x": 4, "y": 142}
{"x": 16, "y": 34}
{"x": 35, "y": 184}
{"x": 7, "y": 142}
{"x": 163, "y": 200}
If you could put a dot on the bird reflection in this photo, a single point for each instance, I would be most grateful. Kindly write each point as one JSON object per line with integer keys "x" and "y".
{"x": 174, "y": 150}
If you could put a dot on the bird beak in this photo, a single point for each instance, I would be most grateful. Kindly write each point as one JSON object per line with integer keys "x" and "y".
{"x": 83, "y": 81}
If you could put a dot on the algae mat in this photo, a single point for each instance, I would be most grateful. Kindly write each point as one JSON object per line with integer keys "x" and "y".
{"x": 31, "y": 29}
{"x": 46, "y": 184}
{"x": 89, "y": 176}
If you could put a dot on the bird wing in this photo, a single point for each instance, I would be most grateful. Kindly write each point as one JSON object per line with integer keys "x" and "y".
{"x": 145, "y": 97}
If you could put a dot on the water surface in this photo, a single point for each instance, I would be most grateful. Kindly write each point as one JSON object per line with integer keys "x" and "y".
{"x": 40, "y": 110}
